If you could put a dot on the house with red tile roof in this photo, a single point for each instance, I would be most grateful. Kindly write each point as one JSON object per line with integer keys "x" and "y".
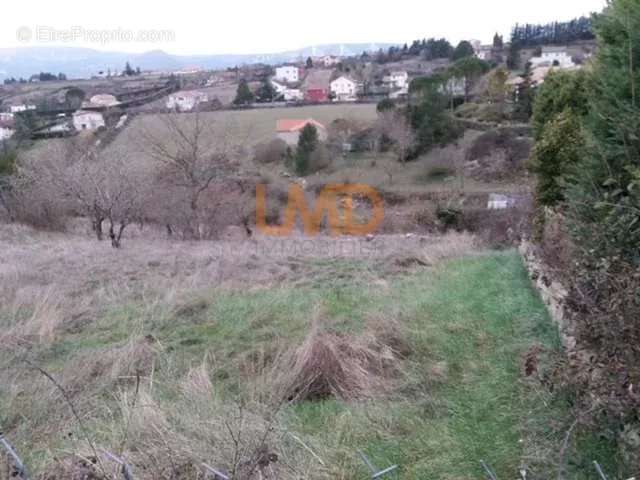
{"x": 289, "y": 129}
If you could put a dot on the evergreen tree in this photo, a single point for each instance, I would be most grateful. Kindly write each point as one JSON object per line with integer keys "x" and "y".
{"x": 553, "y": 33}
{"x": 428, "y": 114}
{"x": 470, "y": 69}
{"x": 8, "y": 158}
{"x": 606, "y": 194}
{"x": 560, "y": 91}
{"x": 555, "y": 155}
{"x": 128, "y": 71}
{"x": 524, "y": 97}
{"x": 309, "y": 63}
{"x": 266, "y": 93}
{"x": 307, "y": 143}
{"x": 463, "y": 50}
{"x": 244, "y": 95}
{"x": 385, "y": 105}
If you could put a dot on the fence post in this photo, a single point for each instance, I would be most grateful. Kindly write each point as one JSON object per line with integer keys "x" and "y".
{"x": 217, "y": 475}
{"x": 600, "y": 471}
{"x": 127, "y": 474}
{"x": 20, "y": 469}
{"x": 375, "y": 474}
{"x": 488, "y": 471}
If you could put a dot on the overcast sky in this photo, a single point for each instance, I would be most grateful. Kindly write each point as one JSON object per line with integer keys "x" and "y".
{"x": 246, "y": 26}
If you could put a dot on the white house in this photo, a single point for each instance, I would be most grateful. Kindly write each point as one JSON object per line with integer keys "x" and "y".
{"x": 484, "y": 52}
{"x": 104, "y": 100}
{"x": 293, "y": 95}
{"x": 553, "y": 57}
{"x": 185, "y": 101}
{"x": 85, "y": 120}
{"x": 400, "y": 93}
{"x": 330, "y": 61}
{"x": 287, "y": 73}
{"x": 6, "y": 129}
{"x": 398, "y": 79}
{"x": 280, "y": 88}
{"x": 22, "y": 108}
{"x": 344, "y": 90}
{"x": 289, "y": 94}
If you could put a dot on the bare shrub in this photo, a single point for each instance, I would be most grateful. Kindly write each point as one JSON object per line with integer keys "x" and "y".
{"x": 497, "y": 228}
{"x": 319, "y": 159}
{"x": 344, "y": 131}
{"x": 425, "y": 218}
{"x": 394, "y": 125}
{"x": 557, "y": 246}
{"x": 74, "y": 177}
{"x": 499, "y": 154}
{"x": 192, "y": 155}
{"x": 274, "y": 151}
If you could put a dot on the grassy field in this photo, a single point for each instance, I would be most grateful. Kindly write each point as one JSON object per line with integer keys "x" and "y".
{"x": 379, "y": 170}
{"x": 172, "y": 356}
{"x": 258, "y": 125}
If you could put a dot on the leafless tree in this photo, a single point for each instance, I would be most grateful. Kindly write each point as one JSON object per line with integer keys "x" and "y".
{"x": 80, "y": 179}
{"x": 394, "y": 125}
{"x": 192, "y": 153}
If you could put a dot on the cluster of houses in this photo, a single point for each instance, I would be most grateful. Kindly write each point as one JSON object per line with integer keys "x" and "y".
{"x": 319, "y": 88}
{"x": 87, "y": 118}
{"x": 550, "y": 59}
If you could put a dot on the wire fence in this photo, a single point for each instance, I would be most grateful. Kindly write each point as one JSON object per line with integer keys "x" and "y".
{"x": 17, "y": 469}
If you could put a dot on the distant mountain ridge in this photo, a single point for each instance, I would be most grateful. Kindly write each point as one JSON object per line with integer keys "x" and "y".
{"x": 78, "y": 62}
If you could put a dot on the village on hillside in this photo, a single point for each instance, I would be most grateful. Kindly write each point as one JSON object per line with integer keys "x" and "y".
{"x": 65, "y": 107}
{"x": 341, "y": 262}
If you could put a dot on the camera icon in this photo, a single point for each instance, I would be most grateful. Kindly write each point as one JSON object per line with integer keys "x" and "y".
{"x": 24, "y": 34}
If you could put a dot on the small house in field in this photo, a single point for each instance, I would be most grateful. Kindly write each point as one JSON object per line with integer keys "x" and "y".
{"x": 344, "y": 89}
{"x": 6, "y": 129}
{"x": 85, "y": 120}
{"x": 289, "y": 130}
{"x": 186, "y": 101}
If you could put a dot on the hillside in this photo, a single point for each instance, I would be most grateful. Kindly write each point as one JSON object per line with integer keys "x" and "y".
{"x": 84, "y": 62}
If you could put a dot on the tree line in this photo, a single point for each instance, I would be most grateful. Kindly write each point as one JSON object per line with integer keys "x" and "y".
{"x": 587, "y": 164}
{"x": 38, "y": 77}
{"x": 531, "y": 35}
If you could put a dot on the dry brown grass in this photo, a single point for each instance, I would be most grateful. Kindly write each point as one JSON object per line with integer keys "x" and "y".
{"x": 347, "y": 367}
{"x": 140, "y": 399}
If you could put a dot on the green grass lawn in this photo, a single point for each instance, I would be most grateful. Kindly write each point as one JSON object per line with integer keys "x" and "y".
{"x": 463, "y": 399}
